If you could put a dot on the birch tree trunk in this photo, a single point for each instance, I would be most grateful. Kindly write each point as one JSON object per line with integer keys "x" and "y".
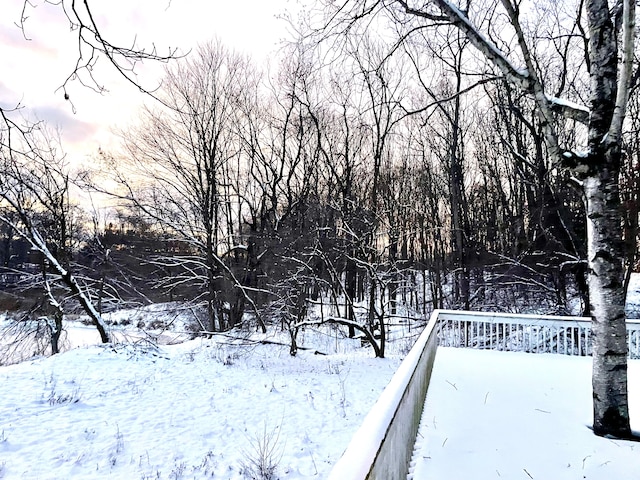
{"x": 605, "y": 253}
{"x": 600, "y": 169}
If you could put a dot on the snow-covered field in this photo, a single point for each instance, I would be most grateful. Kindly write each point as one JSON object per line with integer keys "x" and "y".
{"x": 228, "y": 408}
{"x": 492, "y": 415}
{"x": 201, "y": 409}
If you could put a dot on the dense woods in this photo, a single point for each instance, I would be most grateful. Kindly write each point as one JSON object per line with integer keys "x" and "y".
{"x": 355, "y": 186}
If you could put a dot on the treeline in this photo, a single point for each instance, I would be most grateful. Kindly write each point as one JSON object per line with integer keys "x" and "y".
{"x": 371, "y": 183}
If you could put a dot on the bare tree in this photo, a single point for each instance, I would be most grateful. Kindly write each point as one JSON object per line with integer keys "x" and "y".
{"x": 92, "y": 45}
{"x": 180, "y": 160}
{"x": 34, "y": 184}
{"x": 34, "y": 180}
{"x": 630, "y": 190}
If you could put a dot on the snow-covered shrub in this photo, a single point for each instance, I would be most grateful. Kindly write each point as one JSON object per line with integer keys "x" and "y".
{"x": 263, "y": 456}
{"x": 57, "y": 397}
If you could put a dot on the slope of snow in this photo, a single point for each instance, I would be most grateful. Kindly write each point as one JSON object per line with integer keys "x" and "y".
{"x": 518, "y": 416}
{"x": 212, "y": 408}
{"x": 196, "y": 410}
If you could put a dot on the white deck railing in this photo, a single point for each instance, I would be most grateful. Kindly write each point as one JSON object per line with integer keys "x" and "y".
{"x": 524, "y": 333}
{"x": 381, "y": 449}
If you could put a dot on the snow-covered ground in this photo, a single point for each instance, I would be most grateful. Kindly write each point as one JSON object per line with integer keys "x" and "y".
{"x": 633, "y": 297}
{"x": 492, "y": 415}
{"x": 201, "y": 409}
{"x": 213, "y": 408}
{"x": 162, "y": 323}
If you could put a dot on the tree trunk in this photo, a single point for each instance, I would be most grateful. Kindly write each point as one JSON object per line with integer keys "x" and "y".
{"x": 56, "y": 331}
{"x": 214, "y": 312}
{"x": 351, "y": 291}
{"x": 610, "y": 76}
{"x": 605, "y": 254}
{"x": 394, "y": 277}
{"x": 631, "y": 206}
{"x": 96, "y": 319}
{"x": 605, "y": 248}
{"x": 458, "y": 203}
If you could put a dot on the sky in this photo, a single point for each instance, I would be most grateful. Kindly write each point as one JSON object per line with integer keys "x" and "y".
{"x": 35, "y": 67}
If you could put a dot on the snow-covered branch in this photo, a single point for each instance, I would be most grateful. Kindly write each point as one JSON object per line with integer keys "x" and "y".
{"x": 626, "y": 69}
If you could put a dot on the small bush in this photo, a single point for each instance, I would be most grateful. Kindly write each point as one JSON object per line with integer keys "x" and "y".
{"x": 56, "y": 397}
{"x": 263, "y": 457}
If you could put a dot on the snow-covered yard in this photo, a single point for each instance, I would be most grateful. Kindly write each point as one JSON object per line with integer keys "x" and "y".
{"x": 236, "y": 409}
{"x": 196, "y": 410}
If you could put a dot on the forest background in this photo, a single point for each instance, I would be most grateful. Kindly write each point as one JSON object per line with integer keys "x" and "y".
{"x": 362, "y": 172}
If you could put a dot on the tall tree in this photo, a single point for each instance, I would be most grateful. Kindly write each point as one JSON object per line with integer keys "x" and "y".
{"x": 181, "y": 155}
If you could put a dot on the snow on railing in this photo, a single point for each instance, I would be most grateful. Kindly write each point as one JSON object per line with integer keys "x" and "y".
{"x": 524, "y": 333}
{"x": 381, "y": 449}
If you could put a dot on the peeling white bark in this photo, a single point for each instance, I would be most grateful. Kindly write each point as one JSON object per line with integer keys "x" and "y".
{"x": 626, "y": 69}
{"x": 610, "y": 398}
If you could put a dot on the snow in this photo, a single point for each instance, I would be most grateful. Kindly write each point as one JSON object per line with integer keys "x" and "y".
{"x": 206, "y": 408}
{"x": 516, "y": 415}
{"x": 194, "y": 410}
{"x": 576, "y": 153}
{"x": 367, "y": 441}
{"x": 520, "y": 75}
{"x": 563, "y": 102}
{"x": 632, "y": 304}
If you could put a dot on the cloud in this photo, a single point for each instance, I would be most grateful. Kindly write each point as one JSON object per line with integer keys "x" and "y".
{"x": 12, "y": 36}
{"x": 33, "y": 70}
{"x": 72, "y": 130}
{"x": 6, "y": 94}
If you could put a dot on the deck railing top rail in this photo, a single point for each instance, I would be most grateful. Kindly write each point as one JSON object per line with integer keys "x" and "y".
{"x": 524, "y": 333}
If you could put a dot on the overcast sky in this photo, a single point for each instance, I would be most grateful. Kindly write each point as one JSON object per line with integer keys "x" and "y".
{"x": 34, "y": 68}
